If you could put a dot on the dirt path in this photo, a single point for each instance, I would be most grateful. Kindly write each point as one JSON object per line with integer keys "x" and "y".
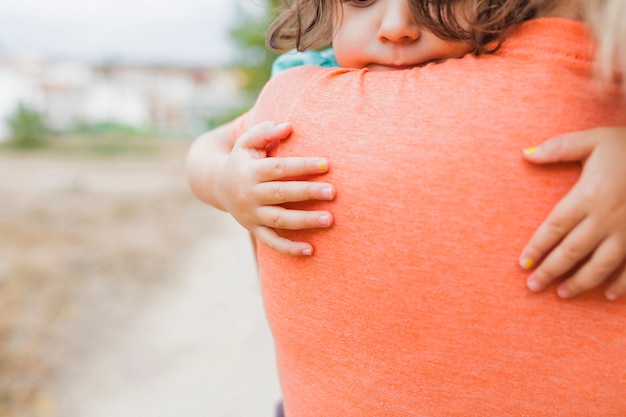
{"x": 120, "y": 295}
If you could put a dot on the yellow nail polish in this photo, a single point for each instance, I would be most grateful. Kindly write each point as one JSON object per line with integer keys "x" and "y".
{"x": 322, "y": 165}
{"x": 527, "y": 263}
{"x": 530, "y": 151}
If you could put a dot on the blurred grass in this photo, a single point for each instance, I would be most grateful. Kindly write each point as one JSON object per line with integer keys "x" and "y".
{"x": 106, "y": 211}
{"x": 93, "y": 145}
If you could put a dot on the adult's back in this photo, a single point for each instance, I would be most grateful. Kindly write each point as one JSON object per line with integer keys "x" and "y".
{"x": 413, "y": 304}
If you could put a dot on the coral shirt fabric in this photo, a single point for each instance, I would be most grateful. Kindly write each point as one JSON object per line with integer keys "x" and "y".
{"x": 413, "y": 303}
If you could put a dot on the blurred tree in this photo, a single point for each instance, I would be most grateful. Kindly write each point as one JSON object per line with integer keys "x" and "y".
{"x": 254, "y": 60}
{"x": 28, "y": 129}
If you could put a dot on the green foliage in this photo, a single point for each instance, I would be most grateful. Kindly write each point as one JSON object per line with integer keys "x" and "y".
{"x": 254, "y": 60}
{"x": 106, "y": 145}
{"x": 111, "y": 128}
{"x": 28, "y": 129}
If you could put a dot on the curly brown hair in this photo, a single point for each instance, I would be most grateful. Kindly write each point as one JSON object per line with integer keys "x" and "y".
{"x": 303, "y": 24}
{"x": 308, "y": 24}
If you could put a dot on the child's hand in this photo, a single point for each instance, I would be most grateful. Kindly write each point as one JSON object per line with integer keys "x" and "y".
{"x": 252, "y": 186}
{"x": 587, "y": 228}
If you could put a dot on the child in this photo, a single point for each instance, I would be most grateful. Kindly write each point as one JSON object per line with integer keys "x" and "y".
{"x": 595, "y": 226}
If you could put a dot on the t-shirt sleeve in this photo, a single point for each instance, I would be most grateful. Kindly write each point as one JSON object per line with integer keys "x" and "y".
{"x": 278, "y": 96}
{"x": 240, "y": 125}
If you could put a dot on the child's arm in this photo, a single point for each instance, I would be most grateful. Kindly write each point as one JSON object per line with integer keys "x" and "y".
{"x": 586, "y": 232}
{"x": 238, "y": 177}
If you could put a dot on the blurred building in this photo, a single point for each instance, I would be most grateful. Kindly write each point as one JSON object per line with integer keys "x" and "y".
{"x": 170, "y": 100}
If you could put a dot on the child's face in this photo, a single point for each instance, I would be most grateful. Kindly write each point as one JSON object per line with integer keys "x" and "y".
{"x": 383, "y": 35}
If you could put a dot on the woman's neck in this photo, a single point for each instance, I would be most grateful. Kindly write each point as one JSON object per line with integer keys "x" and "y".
{"x": 567, "y": 9}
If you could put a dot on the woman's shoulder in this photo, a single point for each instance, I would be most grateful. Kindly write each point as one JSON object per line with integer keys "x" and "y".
{"x": 300, "y": 78}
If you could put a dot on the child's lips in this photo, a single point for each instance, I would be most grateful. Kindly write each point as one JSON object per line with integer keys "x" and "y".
{"x": 395, "y": 67}
{"x": 389, "y": 67}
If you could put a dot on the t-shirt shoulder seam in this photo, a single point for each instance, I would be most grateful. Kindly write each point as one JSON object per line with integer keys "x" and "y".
{"x": 318, "y": 72}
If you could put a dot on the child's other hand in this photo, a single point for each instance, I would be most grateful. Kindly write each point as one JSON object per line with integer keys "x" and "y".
{"x": 586, "y": 232}
{"x": 252, "y": 187}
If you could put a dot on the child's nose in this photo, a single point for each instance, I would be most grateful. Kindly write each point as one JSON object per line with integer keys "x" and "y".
{"x": 397, "y": 23}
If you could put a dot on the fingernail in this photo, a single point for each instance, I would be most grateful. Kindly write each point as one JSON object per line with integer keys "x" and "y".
{"x": 283, "y": 125}
{"x": 324, "y": 220}
{"x": 530, "y": 151}
{"x": 307, "y": 251}
{"x": 564, "y": 292}
{"x": 527, "y": 263}
{"x": 327, "y": 193}
{"x": 611, "y": 295}
{"x": 533, "y": 285}
{"x": 322, "y": 165}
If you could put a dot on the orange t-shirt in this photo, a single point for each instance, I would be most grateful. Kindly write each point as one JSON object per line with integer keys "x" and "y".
{"x": 413, "y": 303}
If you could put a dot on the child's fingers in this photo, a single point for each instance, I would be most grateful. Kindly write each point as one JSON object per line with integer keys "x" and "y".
{"x": 259, "y": 136}
{"x": 575, "y": 247}
{"x": 618, "y": 287}
{"x": 565, "y": 148}
{"x": 272, "y": 169}
{"x": 270, "y": 238}
{"x": 278, "y": 192}
{"x": 561, "y": 220}
{"x": 278, "y": 217}
{"x": 605, "y": 260}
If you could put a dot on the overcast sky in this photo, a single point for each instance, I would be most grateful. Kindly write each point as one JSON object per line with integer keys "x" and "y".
{"x": 165, "y": 31}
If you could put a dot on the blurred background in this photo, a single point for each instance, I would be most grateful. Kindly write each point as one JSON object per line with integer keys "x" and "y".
{"x": 120, "y": 294}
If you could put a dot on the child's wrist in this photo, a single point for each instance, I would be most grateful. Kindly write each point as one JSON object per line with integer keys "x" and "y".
{"x": 217, "y": 196}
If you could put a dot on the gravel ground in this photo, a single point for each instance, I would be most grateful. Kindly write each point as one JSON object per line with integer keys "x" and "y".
{"x": 120, "y": 295}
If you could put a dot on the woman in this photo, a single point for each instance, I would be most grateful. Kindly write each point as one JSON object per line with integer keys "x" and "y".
{"x": 396, "y": 314}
